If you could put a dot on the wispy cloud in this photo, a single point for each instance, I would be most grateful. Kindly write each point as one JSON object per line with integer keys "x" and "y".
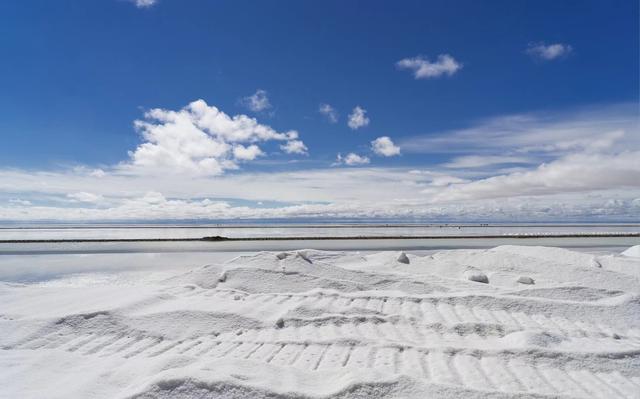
{"x": 144, "y": 3}
{"x": 329, "y": 112}
{"x": 541, "y": 136}
{"x": 384, "y": 146}
{"x": 336, "y": 192}
{"x": 422, "y": 68}
{"x": 18, "y": 201}
{"x": 358, "y": 118}
{"x": 572, "y": 173}
{"x": 257, "y": 102}
{"x": 84, "y": 196}
{"x": 549, "y": 52}
{"x": 475, "y": 161}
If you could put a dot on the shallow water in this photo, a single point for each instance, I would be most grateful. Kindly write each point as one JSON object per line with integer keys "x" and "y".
{"x": 27, "y": 261}
{"x": 614, "y": 244}
{"x": 407, "y": 230}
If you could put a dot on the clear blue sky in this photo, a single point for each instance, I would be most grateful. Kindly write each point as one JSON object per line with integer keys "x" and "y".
{"x": 76, "y": 74}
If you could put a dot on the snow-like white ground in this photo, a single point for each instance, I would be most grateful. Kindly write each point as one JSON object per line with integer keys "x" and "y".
{"x": 510, "y": 321}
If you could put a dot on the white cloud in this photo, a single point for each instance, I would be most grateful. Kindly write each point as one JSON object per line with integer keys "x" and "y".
{"x": 144, "y": 3}
{"x": 549, "y": 52}
{"x": 385, "y": 147}
{"x": 437, "y": 179}
{"x": 200, "y": 140}
{"x": 537, "y": 135}
{"x": 294, "y": 147}
{"x": 424, "y": 69}
{"x": 476, "y": 161}
{"x": 259, "y": 101}
{"x": 342, "y": 192}
{"x": 573, "y": 173}
{"x": 582, "y": 165}
{"x": 358, "y": 118}
{"x": 83, "y": 196}
{"x": 351, "y": 159}
{"x": 329, "y": 112}
{"x": 248, "y": 153}
{"x": 97, "y": 173}
{"x": 18, "y": 201}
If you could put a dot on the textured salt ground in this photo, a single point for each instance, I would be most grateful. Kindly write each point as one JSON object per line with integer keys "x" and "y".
{"x": 332, "y": 324}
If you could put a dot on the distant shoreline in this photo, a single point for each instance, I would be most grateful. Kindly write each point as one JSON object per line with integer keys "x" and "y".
{"x": 313, "y": 238}
{"x": 303, "y": 225}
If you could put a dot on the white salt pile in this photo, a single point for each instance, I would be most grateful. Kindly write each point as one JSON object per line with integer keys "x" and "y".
{"x": 525, "y": 280}
{"x": 633, "y": 251}
{"x": 476, "y": 275}
{"x": 313, "y": 324}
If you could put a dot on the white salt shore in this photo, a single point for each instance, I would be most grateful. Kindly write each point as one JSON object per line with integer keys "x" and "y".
{"x": 512, "y": 321}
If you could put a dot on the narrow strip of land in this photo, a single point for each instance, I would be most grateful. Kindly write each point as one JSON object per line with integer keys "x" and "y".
{"x": 306, "y": 226}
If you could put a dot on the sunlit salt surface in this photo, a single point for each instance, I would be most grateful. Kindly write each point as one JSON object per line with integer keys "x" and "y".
{"x": 507, "y": 321}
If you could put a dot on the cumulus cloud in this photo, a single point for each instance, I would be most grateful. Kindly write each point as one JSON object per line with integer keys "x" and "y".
{"x": 422, "y": 68}
{"x": 351, "y": 159}
{"x": 259, "y": 101}
{"x": 248, "y": 153}
{"x": 294, "y": 147}
{"x": 358, "y": 118}
{"x": 329, "y": 112}
{"x": 385, "y": 147}
{"x": 549, "y": 52}
{"x": 144, "y": 3}
{"x": 201, "y": 140}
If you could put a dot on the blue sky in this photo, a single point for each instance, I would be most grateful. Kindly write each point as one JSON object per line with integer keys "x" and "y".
{"x": 471, "y": 100}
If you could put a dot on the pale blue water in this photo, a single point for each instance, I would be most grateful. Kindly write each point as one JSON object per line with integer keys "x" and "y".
{"x": 35, "y": 261}
{"x": 236, "y": 231}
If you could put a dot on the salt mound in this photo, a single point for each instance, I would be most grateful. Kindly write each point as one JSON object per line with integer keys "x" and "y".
{"x": 476, "y": 275}
{"x": 403, "y": 258}
{"x": 551, "y": 254}
{"x": 633, "y": 251}
{"x": 525, "y": 280}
